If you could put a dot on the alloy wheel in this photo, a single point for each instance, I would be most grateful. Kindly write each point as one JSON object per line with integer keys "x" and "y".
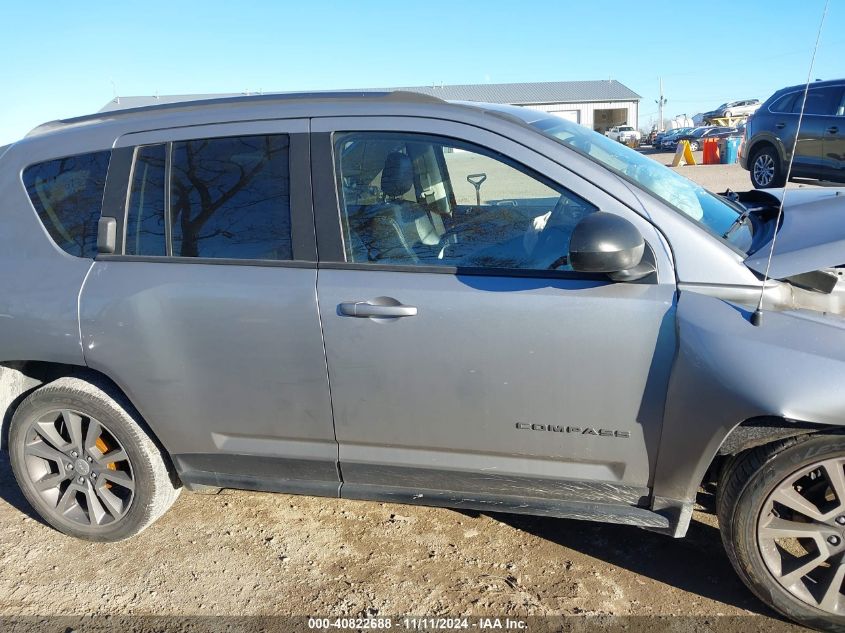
{"x": 764, "y": 169}
{"x": 78, "y": 468}
{"x": 801, "y": 534}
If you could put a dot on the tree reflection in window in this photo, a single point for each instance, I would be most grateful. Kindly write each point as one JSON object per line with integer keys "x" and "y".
{"x": 67, "y": 193}
{"x": 230, "y": 198}
{"x": 145, "y": 233}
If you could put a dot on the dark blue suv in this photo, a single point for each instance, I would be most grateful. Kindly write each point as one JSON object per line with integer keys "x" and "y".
{"x": 770, "y": 135}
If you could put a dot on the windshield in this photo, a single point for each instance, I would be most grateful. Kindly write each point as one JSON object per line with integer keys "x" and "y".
{"x": 708, "y": 210}
{"x": 625, "y": 128}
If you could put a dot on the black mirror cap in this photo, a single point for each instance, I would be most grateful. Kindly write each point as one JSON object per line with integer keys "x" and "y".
{"x": 605, "y": 243}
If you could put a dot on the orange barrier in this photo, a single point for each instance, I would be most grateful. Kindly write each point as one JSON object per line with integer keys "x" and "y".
{"x": 711, "y": 151}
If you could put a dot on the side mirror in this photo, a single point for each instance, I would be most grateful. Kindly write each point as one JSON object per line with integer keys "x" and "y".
{"x": 606, "y": 243}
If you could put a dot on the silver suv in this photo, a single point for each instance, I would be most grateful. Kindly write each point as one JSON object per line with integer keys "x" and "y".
{"x": 386, "y": 296}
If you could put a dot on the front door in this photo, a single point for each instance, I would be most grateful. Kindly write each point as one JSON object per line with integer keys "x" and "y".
{"x": 465, "y": 357}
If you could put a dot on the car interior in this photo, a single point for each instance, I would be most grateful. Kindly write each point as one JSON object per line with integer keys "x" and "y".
{"x": 420, "y": 202}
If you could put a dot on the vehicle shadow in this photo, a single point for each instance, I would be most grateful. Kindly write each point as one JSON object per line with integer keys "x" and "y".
{"x": 10, "y": 492}
{"x": 696, "y": 564}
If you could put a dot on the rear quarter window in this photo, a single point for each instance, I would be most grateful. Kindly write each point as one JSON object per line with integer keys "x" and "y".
{"x": 784, "y": 104}
{"x": 67, "y": 194}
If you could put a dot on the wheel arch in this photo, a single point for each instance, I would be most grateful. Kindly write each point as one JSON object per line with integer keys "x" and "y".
{"x": 762, "y": 142}
{"x": 759, "y": 431}
{"x": 765, "y": 429}
{"x": 18, "y": 379}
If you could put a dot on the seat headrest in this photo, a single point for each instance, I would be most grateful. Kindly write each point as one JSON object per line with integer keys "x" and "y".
{"x": 398, "y": 175}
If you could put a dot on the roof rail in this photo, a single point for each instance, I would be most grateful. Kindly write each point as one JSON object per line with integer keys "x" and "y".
{"x": 126, "y": 106}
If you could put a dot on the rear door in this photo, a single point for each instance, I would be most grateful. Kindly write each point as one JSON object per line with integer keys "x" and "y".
{"x": 466, "y": 360}
{"x": 207, "y": 315}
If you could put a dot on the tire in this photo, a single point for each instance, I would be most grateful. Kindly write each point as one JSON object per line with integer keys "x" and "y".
{"x": 693, "y": 145}
{"x": 765, "y": 168}
{"x": 752, "y": 519}
{"x": 85, "y": 463}
{"x": 728, "y": 113}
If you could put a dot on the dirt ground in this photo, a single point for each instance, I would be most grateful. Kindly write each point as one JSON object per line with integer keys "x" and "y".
{"x": 717, "y": 178}
{"x": 243, "y": 553}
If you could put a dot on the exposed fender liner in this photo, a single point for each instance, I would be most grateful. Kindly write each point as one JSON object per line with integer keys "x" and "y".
{"x": 727, "y": 370}
{"x": 759, "y": 431}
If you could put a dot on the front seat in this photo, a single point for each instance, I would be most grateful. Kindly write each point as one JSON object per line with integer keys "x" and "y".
{"x": 396, "y": 230}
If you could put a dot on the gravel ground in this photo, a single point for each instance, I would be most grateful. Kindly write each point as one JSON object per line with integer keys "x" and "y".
{"x": 717, "y": 178}
{"x": 243, "y": 553}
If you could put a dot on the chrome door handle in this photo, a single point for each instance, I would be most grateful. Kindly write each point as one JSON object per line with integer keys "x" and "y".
{"x": 365, "y": 309}
{"x": 833, "y": 129}
{"x": 780, "y": 126}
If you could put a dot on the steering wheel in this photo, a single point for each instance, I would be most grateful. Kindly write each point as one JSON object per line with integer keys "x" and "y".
{"x": 554, "y": 236}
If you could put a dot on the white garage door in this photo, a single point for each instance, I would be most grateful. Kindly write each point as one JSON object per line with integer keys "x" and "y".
{"x": 569, "y": 115}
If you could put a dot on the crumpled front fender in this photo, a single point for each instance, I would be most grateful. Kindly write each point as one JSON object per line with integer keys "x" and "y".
{"x": 726, "y": 371}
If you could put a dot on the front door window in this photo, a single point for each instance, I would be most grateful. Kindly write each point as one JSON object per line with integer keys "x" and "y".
{"x": 413, "y": 199}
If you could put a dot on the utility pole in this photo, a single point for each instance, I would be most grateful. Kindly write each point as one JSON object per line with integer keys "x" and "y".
{"x": 660, "y": 103}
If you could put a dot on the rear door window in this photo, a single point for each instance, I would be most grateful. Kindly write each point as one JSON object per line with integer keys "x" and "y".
{"x": 145, "y": 226}
{"x": 225, "y": 198}
{"x": 230, "y": 198}
{"x": 67, "y": 194}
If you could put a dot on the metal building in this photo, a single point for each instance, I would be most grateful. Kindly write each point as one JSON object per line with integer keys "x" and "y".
{"x": 595, "y": 104}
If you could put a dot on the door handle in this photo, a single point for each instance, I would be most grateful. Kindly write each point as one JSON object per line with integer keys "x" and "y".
{"x": 832, "y": 129}
{"x": 366, "y": 309}
{"x": 780, "y": 126}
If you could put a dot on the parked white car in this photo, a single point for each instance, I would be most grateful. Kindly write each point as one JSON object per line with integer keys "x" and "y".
{"x": 734, "y": 108}
{"x": 623, "y": 133}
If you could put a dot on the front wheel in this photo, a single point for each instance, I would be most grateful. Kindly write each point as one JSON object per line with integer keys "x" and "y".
{"x": 766, "y": 170}
{"x": 782, "y": 518}
{"x": 85, "y": 464}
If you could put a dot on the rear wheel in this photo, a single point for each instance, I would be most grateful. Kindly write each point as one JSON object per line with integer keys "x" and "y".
{"x": 766, "y": 169}
{"x": 85, "y": 464}
{"x": 693, "y": 145}
{"x": 782, "y": 518}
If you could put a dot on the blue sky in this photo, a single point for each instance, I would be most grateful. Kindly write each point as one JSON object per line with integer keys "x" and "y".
{"x": 62, "y": 59}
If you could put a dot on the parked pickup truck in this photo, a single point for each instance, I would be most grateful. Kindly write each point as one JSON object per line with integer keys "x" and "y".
{"x": 623, "y": 134}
